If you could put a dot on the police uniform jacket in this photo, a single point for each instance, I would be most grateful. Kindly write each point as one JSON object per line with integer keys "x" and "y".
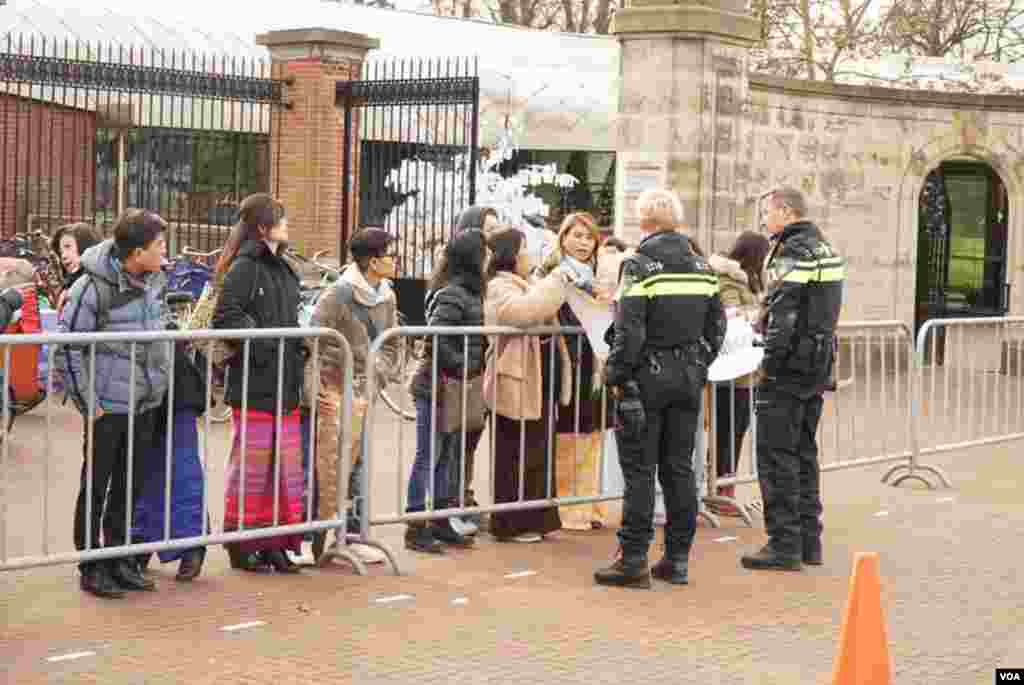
{"x": 667, "y": 300}
{"x": 804, "y": 294}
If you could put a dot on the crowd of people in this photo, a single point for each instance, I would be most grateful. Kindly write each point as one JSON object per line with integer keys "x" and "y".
{"x": 545, "y": 394}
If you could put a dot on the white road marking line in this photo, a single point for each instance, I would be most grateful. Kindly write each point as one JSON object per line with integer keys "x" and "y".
{"x": 392, "y": 598}
{"x": 727, "y": 538}
{"x": 460, "y": 600}
{"x": 879, "y": 514}
{"x": 243, "y": 626}
{"x": 520, "y": 574}
{"x": 69, "y": 657}
{"x": 946, "y": 499}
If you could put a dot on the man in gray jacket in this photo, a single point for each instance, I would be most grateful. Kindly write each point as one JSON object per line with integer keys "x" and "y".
{"x": 122, "y": 292}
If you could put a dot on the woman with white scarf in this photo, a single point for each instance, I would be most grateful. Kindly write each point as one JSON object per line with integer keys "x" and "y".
{"x": 579, "y": 444}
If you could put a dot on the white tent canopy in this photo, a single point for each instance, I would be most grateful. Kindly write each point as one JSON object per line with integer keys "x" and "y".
{"x": 558, "y": 90}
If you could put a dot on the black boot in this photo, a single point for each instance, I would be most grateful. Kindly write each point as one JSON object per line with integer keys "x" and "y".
{"x": 280, "y": 561}
{"x": 143, "y": 561}
{"x": 443, "y": 531}
{"x": 191, "y": 564}
{"x": 246, "y": 561}
{"x": 96, "y": 580}
{"x": 629, "y": 570}
{"x": 812, "y": 551}
{"x": 767, "y": 559}
{"x": 319, "y": 543}
{"x": 674, "y": 569}
{"x": 420, "y": 538}
{"x": 126, "y": 574}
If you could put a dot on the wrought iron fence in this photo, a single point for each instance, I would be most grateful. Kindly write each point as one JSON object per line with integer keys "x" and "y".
{"x": 411, "y": 138}
{"x": 87, "y": 130}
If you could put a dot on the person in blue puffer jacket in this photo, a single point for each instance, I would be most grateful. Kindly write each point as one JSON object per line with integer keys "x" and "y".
{"x": 121, "y": 292}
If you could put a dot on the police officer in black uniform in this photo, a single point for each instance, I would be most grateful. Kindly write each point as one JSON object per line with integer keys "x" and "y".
{"x": 668, "y": 328}
{"x": 804, "y": 285}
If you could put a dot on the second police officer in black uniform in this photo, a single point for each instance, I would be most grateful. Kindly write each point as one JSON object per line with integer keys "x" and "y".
{"x": 804, "y": 285}
{"x": 669, "y": 326}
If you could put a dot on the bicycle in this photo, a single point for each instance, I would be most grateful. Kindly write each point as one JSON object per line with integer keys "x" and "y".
{"x": 34, "y": 248}
{"x": 389, "y": 393}
{"x": 410, "y": 352}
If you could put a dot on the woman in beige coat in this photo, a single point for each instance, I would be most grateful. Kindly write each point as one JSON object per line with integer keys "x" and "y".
{"x": 579, "y": 425}
{"x": 518, "y": 385}
{"x": 739, "y": 278}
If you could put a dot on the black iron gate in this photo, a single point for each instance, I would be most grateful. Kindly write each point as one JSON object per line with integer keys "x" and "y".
{"x": 87, "y": 130}
{"x": 411, "y": 138}
{"x": 962, "y": 236}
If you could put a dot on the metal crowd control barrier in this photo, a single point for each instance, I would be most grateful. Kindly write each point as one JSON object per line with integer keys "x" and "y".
{"x": 141, "y": 343}
{"x": 970, "y": 391}
{"x": 394, "y": 433}
{"x": 867, "y": 420}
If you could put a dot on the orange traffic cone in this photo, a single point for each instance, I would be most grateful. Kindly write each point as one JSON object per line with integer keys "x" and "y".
{"x": 863, "y": 648}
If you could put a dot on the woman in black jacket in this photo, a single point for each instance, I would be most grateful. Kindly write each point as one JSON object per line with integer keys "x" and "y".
{"x": 261, "y": 290}
{"x": 459, "y": 302}
{"x": 485, "y": 219}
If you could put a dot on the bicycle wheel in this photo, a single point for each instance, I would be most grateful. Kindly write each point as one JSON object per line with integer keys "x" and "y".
{"x": 394, "y": 405}
{"x": 392, "y": 393}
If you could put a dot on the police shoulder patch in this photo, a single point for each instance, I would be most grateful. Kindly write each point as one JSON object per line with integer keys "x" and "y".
{"x": 628, "y": 277}
{"x": 653, "y": 267}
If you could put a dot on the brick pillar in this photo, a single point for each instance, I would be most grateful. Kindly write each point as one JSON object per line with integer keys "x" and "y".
{"x": 306, "y": 137}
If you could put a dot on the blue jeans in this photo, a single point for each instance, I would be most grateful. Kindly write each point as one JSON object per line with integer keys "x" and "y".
{"x": 419, "y": 480}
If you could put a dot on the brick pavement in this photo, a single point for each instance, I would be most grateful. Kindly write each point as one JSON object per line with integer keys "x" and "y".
{"x": 952, "y": 595}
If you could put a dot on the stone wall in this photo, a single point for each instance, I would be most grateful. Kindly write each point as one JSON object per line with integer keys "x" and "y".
{"x": 691, "y": 119}
{"x": 861, "y": 156}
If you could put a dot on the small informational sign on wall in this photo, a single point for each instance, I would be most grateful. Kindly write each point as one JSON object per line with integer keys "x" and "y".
{"x": 638, "y": 175}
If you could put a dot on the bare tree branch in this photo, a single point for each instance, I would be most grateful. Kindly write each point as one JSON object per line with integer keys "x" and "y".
{"x": 575, "y": 16}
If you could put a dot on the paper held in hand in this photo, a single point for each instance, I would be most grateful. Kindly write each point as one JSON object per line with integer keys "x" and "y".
{"x": 737, "y": 357}
{"x": 595, "y": 317}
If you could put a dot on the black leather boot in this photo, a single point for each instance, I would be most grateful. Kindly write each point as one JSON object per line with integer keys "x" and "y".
{"x": 191, "y": 564}
{"x": 767, "y": 559}
{"x": 280, "y": 561}
{"x": 443, "y": 531}
{"x": 628, "y": 570}
{"x": 96, "y": 580}
{"x": 674, "y": 569}
{"x": 143, "y": 561}
{"x": 246, "y": 561}
{"x": 126, "y": 574}
{"x": 419, "y": 537}
{"x": 812, "y": 551}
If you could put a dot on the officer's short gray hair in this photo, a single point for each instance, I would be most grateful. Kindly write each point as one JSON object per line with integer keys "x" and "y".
{"x": 660, "y": 207}
{"x": 788, "y": 196}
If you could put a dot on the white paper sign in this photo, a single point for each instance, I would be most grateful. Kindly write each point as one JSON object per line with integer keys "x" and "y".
{"x": 594, "y": 316}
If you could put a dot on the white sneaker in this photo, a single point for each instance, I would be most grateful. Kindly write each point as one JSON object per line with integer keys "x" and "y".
{"x": 367, "y": 554}
{"x": 462, "y": 526}
{"x": 528, "y": 537}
